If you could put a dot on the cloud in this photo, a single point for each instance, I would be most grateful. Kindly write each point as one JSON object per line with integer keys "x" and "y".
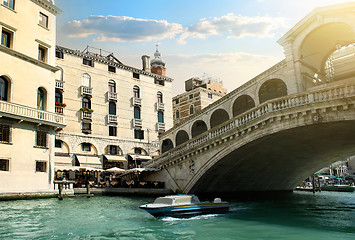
{"x": 121, "y": 29}
{"x": 233, "y": 69}
{"x": 234, "y": 27}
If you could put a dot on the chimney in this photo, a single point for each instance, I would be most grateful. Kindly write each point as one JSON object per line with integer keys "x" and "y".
{"x": 146, "y": 63}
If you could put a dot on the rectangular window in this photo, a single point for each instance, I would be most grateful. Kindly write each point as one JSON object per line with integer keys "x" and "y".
{"x": 59, "y": 54}
{"x": 6, "y": 38}
{"x": 43, "y": 20}
{"x": 210, "y": 95}
{"x": 136, "y": 75}
{"x": 58, "y": 144}
{"x": 113, "y": 150}
{"x": 4, "y": 165}
{"x": 177, "y": 101}
{"x": 5, "y": 133}
{"x": 112, "y": 131}
{"x": 41, "y": 139}
{"x": 9, "y": 4}
{"x": 112, "y": 69}
{"x": 86, "y": 147}
{"x": 86, "y": 127}
{"x": 191, "y": 96}
{"x": 41, "y": 166}
{"x": 160, "y": 82}
{"x": 88, "y": 62}
{"x": 138, "y": 134}
{"x": 42, "y": 53}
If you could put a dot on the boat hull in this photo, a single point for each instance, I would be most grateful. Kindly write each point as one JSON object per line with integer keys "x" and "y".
{"x": 338, "y": 188}
{"x": 187, "y": 210}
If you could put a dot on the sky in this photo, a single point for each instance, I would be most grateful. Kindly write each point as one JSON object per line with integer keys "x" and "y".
{"x": 226, "y": 40}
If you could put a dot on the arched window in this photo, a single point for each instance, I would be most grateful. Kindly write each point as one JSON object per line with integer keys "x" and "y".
{"x": 177, "y": 114}
{"x": 136, "y": 92}
{"x": 86, "y": 103}
{"x": 58, "y": 97}
{"x": 160, "y": 97}
{"x": 3, "y": 89}
{"x": 112, "y": 108}
{"x": 40, "y": 99}
{"x": 160, "y": 117}
{"x": 111, "y": 86}
{"x": 86, "y": 80}
{"x": 137, "y": 112}
{"x": 192, "y": 109}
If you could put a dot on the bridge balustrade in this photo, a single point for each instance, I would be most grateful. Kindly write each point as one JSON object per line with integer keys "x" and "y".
{"x": 275, "y": 105}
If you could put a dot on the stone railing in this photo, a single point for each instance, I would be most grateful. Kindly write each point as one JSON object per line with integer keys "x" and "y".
{"x": 111, "y": 96}
{"x": 86, "y": 90}
{"x": 86, "y": 115}
{"x": 137, "y": 123}
{"x": 59, "y": 84}
{"x": 111, "y": 118}
{"x": 136, "y": 101}
{"x": 59, "y": 110}
{"x": 160, "y": 127}
{"x": 275, "y": 105}
{"x": 30, "y": 114}
{"x": 159, "y": 106}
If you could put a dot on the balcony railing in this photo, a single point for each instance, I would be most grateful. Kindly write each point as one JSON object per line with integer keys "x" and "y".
{"x": 25, "y": 113}
{"x": 159, "y": 106}
{"x": 111, "y": 96}
{"x": 111, "y": 118}
{"x": 59, "y": 110}
{"x": 160, "y": 127}
{"x": 86, "y": 115}
{"x": 86, "y": 90}
{"x": 137, "y": 123}
{"x": 59, "y": 84}
{"x": 136, "y": 101}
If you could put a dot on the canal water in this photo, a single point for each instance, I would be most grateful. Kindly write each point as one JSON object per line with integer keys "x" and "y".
{"x": 298, "y": 215}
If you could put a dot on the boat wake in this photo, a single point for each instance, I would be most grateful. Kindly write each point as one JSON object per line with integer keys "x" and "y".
{"x": 199, "y": 217}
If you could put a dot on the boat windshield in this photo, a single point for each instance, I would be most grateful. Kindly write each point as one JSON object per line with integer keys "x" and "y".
{"x": 163, "y": 200}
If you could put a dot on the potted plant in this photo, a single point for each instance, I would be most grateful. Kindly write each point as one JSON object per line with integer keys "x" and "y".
{"x": 85, "y": 109}
{"x": 59, "y": 104}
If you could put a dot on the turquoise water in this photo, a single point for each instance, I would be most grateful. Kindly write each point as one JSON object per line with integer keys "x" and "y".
{"x": 325, "y": 215}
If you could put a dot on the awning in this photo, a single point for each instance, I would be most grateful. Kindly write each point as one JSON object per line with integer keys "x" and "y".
{"x": 76, "y": 168}
{"x": 115, "y": 158}
{"x": 89, "y": 161}
{"x": 140, "y": 157}
{"x": 62, "y": 161}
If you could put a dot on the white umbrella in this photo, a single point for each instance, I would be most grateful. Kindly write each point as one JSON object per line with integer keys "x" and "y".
{"x": 115, "y": 169}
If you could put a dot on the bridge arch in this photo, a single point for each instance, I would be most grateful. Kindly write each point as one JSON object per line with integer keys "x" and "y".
{"x": 198, "y": 127}
{"x": 219, "y": 116}
{"x": 316, "y": 47}
{"x": 242, "y": 104}
{"x": 272, "y": 88}
{"x": 181, "y": 137}
{"x": 166, "y": 145}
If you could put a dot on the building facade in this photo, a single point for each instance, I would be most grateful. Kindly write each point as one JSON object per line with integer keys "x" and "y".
{"x": 114, "y": 112}
{"x": 27, "y": 86}
{"x": 199, "y": 94}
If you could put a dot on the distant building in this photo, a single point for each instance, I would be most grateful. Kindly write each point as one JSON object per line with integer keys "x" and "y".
{"x": 114, "y": 112}
{"x": 27, "y": 89}
{"x": 199, "y": 94}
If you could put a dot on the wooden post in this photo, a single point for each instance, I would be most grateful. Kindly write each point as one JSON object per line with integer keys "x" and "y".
{"x": 313, "y": 184}
{"x": 60, "y": 188}
{"x": 87, "y": 185}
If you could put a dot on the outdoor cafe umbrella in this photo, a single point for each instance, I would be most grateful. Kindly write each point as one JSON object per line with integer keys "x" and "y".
{"x": 115, "y": 169}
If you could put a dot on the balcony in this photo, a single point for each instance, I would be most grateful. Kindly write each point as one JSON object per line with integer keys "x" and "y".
{"x": 137, "y": 123}
{"x": 111, "y": 119}
{"x": 86, "y": 115}
{"x": 25, "y": 113}
{"x": 159, "y": 106}
{"x": 111, "y": 96}
{"x": 59, "y": 84}
{"x": 160, "y": 127}
{"x": 136, "y": 101}
{"x": 86, "y": 90}
{"x": 59, "y": 110}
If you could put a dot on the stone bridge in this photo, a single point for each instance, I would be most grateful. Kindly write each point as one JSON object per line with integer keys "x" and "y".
{"x": 279, "y": 127}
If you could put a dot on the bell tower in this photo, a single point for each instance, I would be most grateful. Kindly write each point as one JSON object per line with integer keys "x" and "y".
{"x": 157, "y": 65}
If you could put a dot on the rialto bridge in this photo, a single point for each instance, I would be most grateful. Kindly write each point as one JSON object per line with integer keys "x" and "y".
{"x": 279, "y": 127}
